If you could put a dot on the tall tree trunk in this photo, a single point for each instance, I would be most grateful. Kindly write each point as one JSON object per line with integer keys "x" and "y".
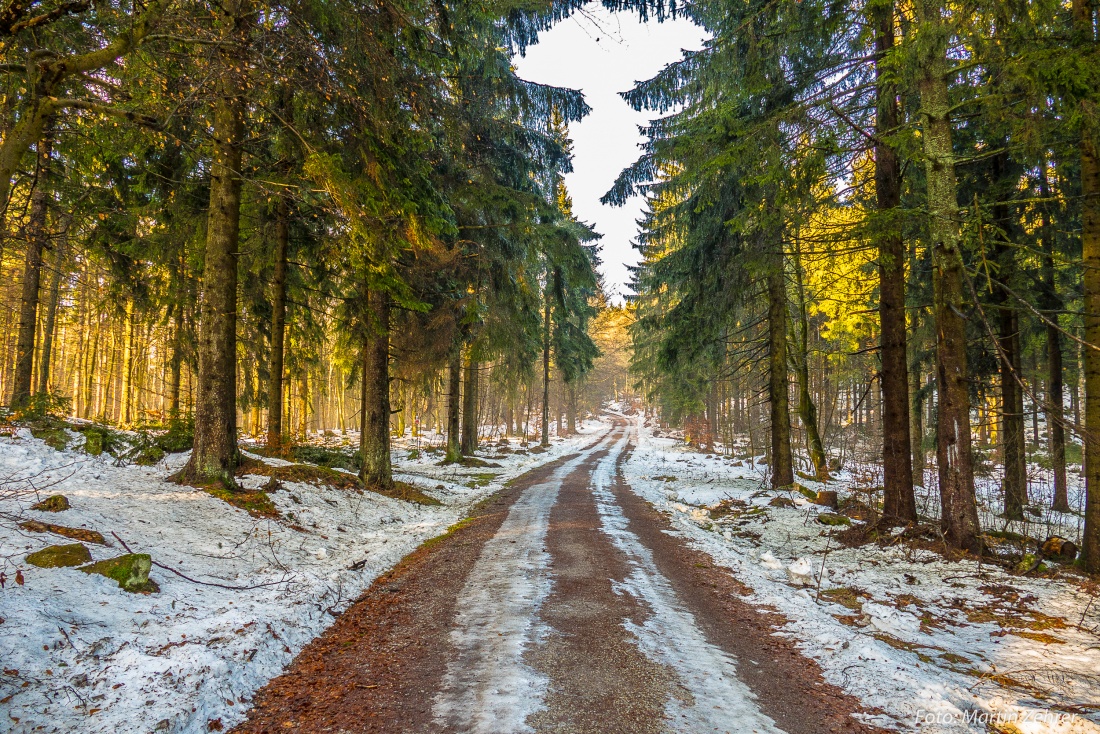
{"x": 37, "y": 237}
{"x": 782, "y": 464}
{"x": 374, "y": 444}
{"x": 1055, "y": 389}
{"x": 215, "y": 455}
{"x": 545, "y": 440}
{"x": 454, "y": 406}
{"x": 125, "y": 393}
{"x": 1085, "y": 39}
{"x": 1012, "y": 435}
{"x": 278, "y": 326}
{"x": 807, "y": 411}
{"x": 899, "y": 503}
{"x": 712, "y": 413}
{"x": 571, "y": 409}
{"x": 50, "y": 325}
{"x": 958, "y": 507}
{"x": 1012, "y": 415}
{"x": 470, "y": 404}
{"x": 303, "y": 405}
{"x": 176, "y": 361}
{"x": 916, "y": 425}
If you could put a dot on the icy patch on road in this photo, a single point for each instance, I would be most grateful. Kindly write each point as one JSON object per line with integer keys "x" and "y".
{"x": 716, "y": 699}
{"x": 488, "y": 689}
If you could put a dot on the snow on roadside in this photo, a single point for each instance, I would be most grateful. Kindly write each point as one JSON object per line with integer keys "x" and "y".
{"x": 936, "y": 646}
{"x": 80, "y": 654}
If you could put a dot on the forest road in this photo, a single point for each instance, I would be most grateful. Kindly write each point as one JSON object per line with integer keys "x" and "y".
{"x": 562, "y": 605}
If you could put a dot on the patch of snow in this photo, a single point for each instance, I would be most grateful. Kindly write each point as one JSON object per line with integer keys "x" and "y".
{"x": 80, "y": 654}
{"x": 935, "y": 646}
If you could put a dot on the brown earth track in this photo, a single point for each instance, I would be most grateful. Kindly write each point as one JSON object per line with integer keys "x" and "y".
{"x": 377, "y": 668}
{"x": 789, "y": 686}
{"x": 600, "y": 681}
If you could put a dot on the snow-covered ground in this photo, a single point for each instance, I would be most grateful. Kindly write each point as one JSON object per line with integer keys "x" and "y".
{"x": 934, "y": 645}
{"x": 78, "y": 654}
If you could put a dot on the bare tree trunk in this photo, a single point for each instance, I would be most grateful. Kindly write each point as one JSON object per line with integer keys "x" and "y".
{"x": 1083, "y": 16}
{"x": 176, "y": 362}
{"x": 899, "y": 503}
{"x": 571, "y": 409}
{"x": 1055, "y": 409}
{"x": 37, "y": 236}
{"x": 781, "y": 459}
{"x": 469, "y": 405}
{"x": 50, "y": 325}
{"x": 374, "y": 441}
{"x": 807, "y": 411}
{"x": 916, "y": 426}
{"x": 125, "y": 393}
{"x": 545, "y": 440}
{"x": 454, "y": 406}
{"x": 215, "y": 455}
{"x": 958, "y": 507}
{"x": 1012, "y": 415}
{"x": 278, "y": 326}
{"x": 1012, "y": 437}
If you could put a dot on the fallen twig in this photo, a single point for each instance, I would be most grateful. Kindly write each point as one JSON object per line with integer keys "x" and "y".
{"x": 196, "y": 581}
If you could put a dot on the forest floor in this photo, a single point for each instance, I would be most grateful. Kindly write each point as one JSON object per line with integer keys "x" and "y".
{"x": 643, "y": 586}
{"x": 622, "y": 582}
{"x": 79, "y": 654}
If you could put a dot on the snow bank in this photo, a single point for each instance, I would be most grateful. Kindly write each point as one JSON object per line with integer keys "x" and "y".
{"x": 80, "y": 654}
{"x": 933, "y": 645}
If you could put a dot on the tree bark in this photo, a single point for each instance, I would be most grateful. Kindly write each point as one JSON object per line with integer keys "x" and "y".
{"x": 782, "y": 464}
{"x": 571, "y": 409}
{"x": 50, "y": 325}
{"x": 215, "y": 455}
{"x": 807, "y": 411}
{"x": 374, "y": 439}
{"x": 1090, "y": 255}
{"x": 1012, "y": 414}
{"x": 37, "y": 236}
{"x": 958, "y": 507}
{"x": 899, "y": 503}
{"x": 176, "y": 361}
{"x": 469, "y": 405}
{"x": 126, "y": 399}
{"x": 1012, "y": 435}
{"x": 278, "y": 326}
{"x": 454, "y": 406}
{"x": 916, "y": 425}
{"x": 545, "y": 440}
{"x": 1055, "y": 409}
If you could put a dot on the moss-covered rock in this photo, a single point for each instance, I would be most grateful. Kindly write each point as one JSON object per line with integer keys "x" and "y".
{"x": 53, "y": 503}
{"x": 131, "y": 571}
{"x": 60, "y": 556}
{"x": 833, "y": 519}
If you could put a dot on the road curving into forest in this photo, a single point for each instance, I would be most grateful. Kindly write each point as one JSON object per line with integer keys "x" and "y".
{"x": 562, "y": 605}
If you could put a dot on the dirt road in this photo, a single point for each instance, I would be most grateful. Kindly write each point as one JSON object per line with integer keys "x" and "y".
{"x": 562, "y": 606}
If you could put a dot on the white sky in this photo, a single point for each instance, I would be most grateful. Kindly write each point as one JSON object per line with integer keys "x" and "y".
{"x": 602, "y": 54}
